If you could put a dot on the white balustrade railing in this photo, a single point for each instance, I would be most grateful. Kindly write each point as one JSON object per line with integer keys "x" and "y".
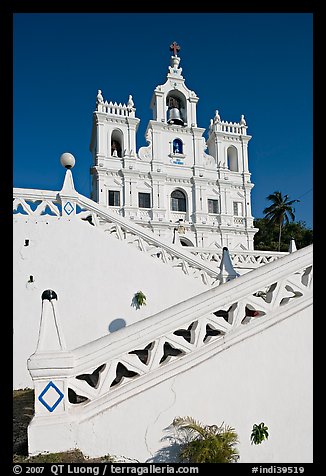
{"x": 176, "y": 216}
{"x": 104, "y": 372}
{"x": 144, "y": 214}
{"x": 116, "y": 109}
{"x": 240, "y": 259}
{"x": 116, "y": 211}
{"x": 232, "y": 127}
{"x": 200, "y": 263}
{"x": 37, "y": 203}
{"x": 239, "y": 221}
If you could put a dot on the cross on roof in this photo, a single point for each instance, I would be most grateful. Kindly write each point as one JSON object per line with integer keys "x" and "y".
{"x": 174, "y": 47}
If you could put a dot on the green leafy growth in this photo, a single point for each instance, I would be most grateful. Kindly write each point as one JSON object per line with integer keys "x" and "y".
{"x": 140, "y": 299}
{"x": 206, "y": 443}
{"x": 279, "y": 212}
{"x": 259, "y": 433}
{"x": 267, "y": 237}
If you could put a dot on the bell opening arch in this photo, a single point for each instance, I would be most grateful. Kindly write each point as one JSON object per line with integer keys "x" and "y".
{"x": 176, "y": 108}
{"x": 116, "y": 143}
{"x": 232, "y": 158}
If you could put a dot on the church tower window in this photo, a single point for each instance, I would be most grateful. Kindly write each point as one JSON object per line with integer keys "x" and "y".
{"x": 177, "y": 146}
{"x": 176, "y": 108}
{"x": 178, "y": 201}
{"x": 232, "y": 158}
{"x": 116, "y": 143}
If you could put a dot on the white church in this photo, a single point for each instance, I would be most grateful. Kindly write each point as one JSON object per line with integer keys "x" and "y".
{"x": 179, "y": 186}
{"x": 223, "y": 332}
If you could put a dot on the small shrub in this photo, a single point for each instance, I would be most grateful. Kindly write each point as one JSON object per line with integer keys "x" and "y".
{"x": 139, "y": 299}
{"x": 259, "y": 433}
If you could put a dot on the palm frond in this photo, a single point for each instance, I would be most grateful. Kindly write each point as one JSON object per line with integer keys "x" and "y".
{"x": 206, "y": 443}
{"x": 190, "y": 425}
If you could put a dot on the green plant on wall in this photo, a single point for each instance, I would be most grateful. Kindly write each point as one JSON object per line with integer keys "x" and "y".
{"x": 259, "y": 433}
{"x": 139, "y": 299}
{"x": 206, "y": 443}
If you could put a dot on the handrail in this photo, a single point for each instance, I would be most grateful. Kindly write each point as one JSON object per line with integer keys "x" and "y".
{"x": 150, "y": 238}
{"x": 240, "y": 259}
{"x": 148, "y": 350}
{"x": 204, "y": 302}
{"x": 33, "y": 194}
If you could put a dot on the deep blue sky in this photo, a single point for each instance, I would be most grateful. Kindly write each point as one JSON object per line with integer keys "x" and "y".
{"x": 256, "y": 64}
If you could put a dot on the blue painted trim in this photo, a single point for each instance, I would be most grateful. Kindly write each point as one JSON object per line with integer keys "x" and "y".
{"x": 72, "y": 208}
{"x": 54, "y": 406}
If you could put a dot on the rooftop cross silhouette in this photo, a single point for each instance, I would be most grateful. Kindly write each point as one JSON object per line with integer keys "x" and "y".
{"x": 174, "y": 47}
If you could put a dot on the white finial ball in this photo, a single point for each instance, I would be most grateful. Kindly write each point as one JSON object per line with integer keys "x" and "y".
{"x": 67, "y": 160}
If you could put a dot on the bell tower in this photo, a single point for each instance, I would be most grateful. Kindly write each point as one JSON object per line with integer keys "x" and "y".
{"x": 179, "y": 183}
{"x": 228, "y": 143}
{"x": 173, "y": 103}
{"x": 113, "y": 146}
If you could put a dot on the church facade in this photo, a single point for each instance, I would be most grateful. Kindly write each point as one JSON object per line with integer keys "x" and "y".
{"x": 188, "y": 190}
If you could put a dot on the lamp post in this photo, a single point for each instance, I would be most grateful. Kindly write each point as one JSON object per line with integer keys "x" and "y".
{"x": 68, "y": 193}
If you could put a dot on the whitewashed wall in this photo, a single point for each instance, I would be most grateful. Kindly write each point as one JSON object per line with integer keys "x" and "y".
{"x": 265, "y": 378}
{"x": 95, "y": 277}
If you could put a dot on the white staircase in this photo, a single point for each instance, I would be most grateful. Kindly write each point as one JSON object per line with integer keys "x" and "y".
{"x": 240, "y": 352}
{"x": 79, "y": 392}
{"x": 199, "y": 263}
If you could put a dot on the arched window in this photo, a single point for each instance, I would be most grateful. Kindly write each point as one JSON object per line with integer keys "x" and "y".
{"x": 177, "y": 146}
{"x": 116, "y": 143}
{"x": 176, "y": 108}
{"x": 232, "y": 158}
{"x": 178, "y": 201}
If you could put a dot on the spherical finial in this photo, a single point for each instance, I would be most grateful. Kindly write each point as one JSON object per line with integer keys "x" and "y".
{"x": 67, "y": 160}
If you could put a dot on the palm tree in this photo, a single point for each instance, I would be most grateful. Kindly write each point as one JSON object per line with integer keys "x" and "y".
{"x": 206, "y": 443}
{"x": 280, "y": 211}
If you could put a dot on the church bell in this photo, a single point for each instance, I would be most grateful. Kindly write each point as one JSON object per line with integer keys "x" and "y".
{"x": 175, "y": 117}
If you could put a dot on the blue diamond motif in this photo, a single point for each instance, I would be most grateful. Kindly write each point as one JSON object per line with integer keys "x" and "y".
{"x": 56, "y": 403}
{"x": 68, "y": 208}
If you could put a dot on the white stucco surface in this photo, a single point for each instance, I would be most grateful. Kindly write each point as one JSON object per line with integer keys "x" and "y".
{"x": 265, "y": 378}
{"x": 95, "y": 277}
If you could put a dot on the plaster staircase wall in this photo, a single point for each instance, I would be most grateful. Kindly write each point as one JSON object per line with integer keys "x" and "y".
{"x": 97, "y": 261}
{"x": 95, "y": 276}
{"x": 239, "y": 353}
